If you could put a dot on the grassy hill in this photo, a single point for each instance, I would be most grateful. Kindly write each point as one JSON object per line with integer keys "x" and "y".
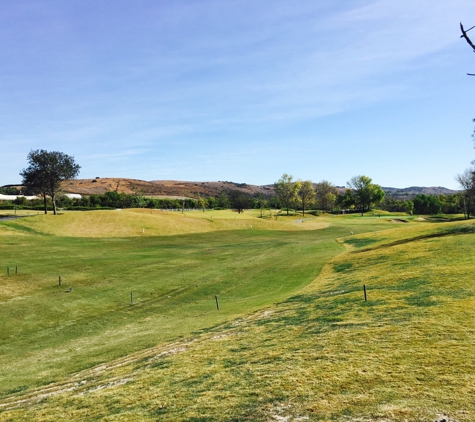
{"x": 293, "y": 339}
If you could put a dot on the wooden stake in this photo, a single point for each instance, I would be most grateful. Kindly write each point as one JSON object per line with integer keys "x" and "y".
{"x": 217, "y": 302}
{"x": 131, "y": 298}
{"x": 364, "y": 289}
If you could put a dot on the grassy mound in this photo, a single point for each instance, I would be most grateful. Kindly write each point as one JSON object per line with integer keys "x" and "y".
{"x": 146, "y": 223}
{"x": 320, "y": 353}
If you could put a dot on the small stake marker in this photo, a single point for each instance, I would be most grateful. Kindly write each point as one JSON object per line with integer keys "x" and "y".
{"x": 8, "y": 270}
{"x": 16, "y": 270}
{"x": 131, "y": 298}
{"x": 364, "y": 289}
{"x": 217, "y": 302}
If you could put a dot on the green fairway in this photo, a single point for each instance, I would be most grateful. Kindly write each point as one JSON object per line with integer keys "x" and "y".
{"x": 48, "y": 331}
{"x": 288, "y": 341}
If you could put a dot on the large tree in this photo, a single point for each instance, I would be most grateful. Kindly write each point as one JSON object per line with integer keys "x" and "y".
{"x": 326, "y": 195}
{"x": 287, "y": 191}
{"x": 346, "y": 201}
{"x": 427, "y": 204}
{"x": 46, "y": 171}
{"x": 306, "y": 194}
{"x": 367, "y": 194}
{"x": 238, "y": 200}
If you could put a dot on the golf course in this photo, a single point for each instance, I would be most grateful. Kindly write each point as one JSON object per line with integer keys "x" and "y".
{"x": 148, "y": 315}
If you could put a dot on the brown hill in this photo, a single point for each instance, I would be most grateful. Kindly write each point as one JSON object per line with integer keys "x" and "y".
{"x": 184, "y": 189}
{"x": 162, "y": 188}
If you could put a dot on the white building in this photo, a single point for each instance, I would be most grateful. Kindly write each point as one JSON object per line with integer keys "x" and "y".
{"x": 13, "y": 197}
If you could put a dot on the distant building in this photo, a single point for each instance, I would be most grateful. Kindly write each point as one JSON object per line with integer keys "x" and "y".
{"x": 13, "y": 197}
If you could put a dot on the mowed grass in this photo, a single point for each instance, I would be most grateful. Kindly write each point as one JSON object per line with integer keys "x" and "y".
{"x": 174, "y": 264}
{"x": 146, "y": 223}
{"x": 319, "y": 353}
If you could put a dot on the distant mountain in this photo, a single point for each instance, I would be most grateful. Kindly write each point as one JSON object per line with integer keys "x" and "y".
{"x": 411, "y": 192}
{"x": 179, "y": 189}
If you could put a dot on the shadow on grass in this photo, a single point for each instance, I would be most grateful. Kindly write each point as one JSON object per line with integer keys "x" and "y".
{"x": 449, "y": 231}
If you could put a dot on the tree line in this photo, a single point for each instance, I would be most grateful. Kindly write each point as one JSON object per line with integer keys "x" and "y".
{"x": 361, "y": 194}
{"x": 47, "y": 170}
{"x": 9, "y": 190}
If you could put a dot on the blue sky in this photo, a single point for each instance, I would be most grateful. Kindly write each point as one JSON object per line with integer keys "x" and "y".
{"x": 243, "y": 91}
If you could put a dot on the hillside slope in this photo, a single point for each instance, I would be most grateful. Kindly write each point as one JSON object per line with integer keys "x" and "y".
{"x": 189, "y": 189}
{"x": 166, "y": 188}
{"x": 176, "y": 188}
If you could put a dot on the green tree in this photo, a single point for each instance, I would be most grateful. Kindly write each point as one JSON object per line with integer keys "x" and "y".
{"x": 63, "y": 201}
{"x": 211, "y": 202}
{"x": 139, "y": 200}
{"x": 95, "y": 200}
{"x": 222, "y": 201}
{"x": 451, "y": 204}
{"x": 260, "y": 202}
{"x": 326, "y": 195}
{"x": 367, "y": 194}
{"x": 20, "y": 200}
{"x": 238, "y": 200}
{"x": 202, "y": 202}
{"x": 111, "y": 199}
{"x": 287, "y": 191}
{"x": 397, "y": 205}
{"x": 427, "y": 204}
{"x": 346, "y": 200}
{"x": 46, "y": 171}
{"x": 467, "y": 182}
{"x": 9, "y": 190}
{"x": 306, "y": 194}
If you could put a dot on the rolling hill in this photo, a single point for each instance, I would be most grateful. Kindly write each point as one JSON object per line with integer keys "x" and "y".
{"x": 176, "y": 188}
{"x": 190, "y": 189}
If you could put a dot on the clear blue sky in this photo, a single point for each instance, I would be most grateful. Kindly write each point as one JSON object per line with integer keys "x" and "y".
{"x": 240, "y": 90}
